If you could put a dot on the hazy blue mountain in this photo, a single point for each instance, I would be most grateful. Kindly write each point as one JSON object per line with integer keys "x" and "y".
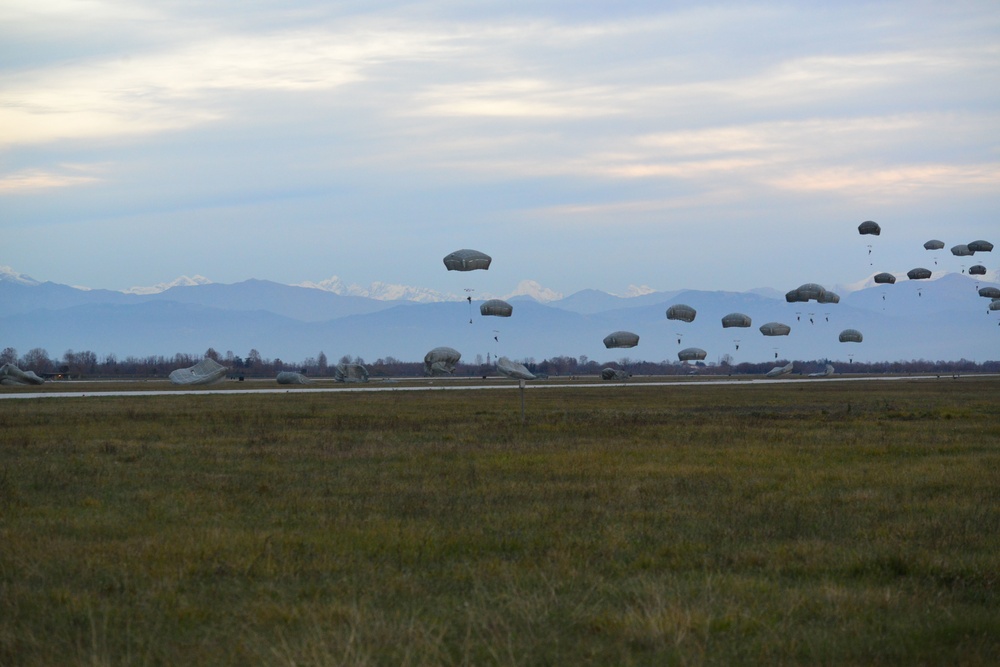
{"x": 945, "y": 320}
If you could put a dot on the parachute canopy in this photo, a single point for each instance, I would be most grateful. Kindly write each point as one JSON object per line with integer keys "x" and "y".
{"x": 441, "y": 361}
{"x": 291, "y": 377}
{"x": 775, "y": 329}
{"x": 621, "y": 339}
{"x": 496, "y": 308}
{"x": 11, "y": 375}
{"x": 467, "y": 260}
{"x": 884, "y": 278}
{"x": 735, "y": 320}
{"x": 934, "y": 244}
{"x": 977, "y": 270}
{"x": 681, "y": 312}
{"x": 780, "y": 370}
{"x": 614, "y": 374}
{"x": 918, "y": 274}
{"x": 962, "y": 250}
{"x": 827, "y": 372}
{"x": 829, "y": 297}
{"x": 990, "y": 292}
{"x": 995, "y": 305}
{"x": 981, "y": 246}
{"x": 869, "y": 227}
{"x": 809, "y": 291}
{"x": 851, "y": 336}
{"x": 692, "y": 354}
{"x": 205, "y": 371}
{"x": 512, "y": 369}
{"x": 350, "y": 373}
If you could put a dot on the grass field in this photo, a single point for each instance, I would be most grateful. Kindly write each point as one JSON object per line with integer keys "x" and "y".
{"x": 792, "y": 523}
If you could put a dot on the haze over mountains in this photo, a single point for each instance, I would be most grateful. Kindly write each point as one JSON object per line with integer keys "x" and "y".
{"x": 942, "y": 319}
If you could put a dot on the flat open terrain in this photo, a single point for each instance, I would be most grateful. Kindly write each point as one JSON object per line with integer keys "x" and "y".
{"x": 788, "y": 523}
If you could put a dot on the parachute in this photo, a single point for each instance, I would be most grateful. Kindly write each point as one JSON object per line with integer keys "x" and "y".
{"x": 512, "y": 369}
{"x": 692, "y": 354}
{"x": 621, "y": 339}
{"x": 851, "y": 336}
{"x": 981, "y": 246}
{"x": 205, "y": 371}
{"x": 811, "y": 291}
{"x": 977, "y": 270}
{"x": 884, "y": 278}
{"x": 918, "y": 274}
{"x": 933, "y": 244}
{"x": 614, "y": 374}
{"x": 829, "y": 297}
{"x": 11, "y": 375}
{"x": 780, "y": 370}
{"x": 681, "y": 312}
{"x": 869, "y": 227}
{"x": 995, "y": 305}
{"x": 990, "y": 292}
{"x": 827, "y": 372}
{"x": 496, "y": 308}
{"x": 441, "y": 361}
{"x": 350, "y": 373}
{"x": 735, "y": 320}
{"x": 467, "y": 260}
{"x": 962, "y": 250}
{"x": 775, "y": 329}
{"x": 290, "y": 377}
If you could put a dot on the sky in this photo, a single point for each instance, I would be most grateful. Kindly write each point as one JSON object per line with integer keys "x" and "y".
{"x": 618, "y": 146}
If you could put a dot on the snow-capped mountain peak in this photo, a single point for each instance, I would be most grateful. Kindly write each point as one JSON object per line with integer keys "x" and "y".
{"x": 183, "y": 281}
{"x": 535, "y": 291}
{"x": 7, "y": 274}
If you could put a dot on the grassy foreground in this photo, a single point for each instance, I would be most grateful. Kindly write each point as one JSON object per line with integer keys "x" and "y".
{"x": 795, "y": 523}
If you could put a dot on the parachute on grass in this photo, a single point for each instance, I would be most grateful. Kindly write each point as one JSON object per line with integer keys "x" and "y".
{"x": 736, "y": 320}
{"x": 682, "y": 312}
{"x": 350, "y": 373}
{"x": 467, "y": 260}
{"x": 291, "y": 377}
{"x": 780, "y": 370}
{"x": 206, "y": 371}
{"x": 441, "y": 361}
{"x": 692, "y": 354}
{"x": 621, "y": 339}
{"x": 981, "y": 246}
{"x": 869, "y": 227}
{"x": 884, "y": 278}
{"x": 496, "y": 308}
{"x": 512, "y": 369}
{"x": 613, "y": 374}
{"x": 851, "y": 336}
{"x": 934, "y": 244}
{"x": 826, "y": 372}
{"x": 775, "y": 329}
{"x": 11, "y": 375}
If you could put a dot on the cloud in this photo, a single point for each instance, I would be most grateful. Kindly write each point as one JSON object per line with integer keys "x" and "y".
{"x": 30, "y": 180}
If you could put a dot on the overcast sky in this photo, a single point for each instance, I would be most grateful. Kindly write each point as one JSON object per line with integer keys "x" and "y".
{"x": 581, "y": 144}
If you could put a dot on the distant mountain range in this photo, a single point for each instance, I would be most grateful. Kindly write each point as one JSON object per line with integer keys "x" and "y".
{"x": 944, "y": 319}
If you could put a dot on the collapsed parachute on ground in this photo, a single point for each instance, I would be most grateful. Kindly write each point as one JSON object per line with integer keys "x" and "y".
{"x": 780, "y": 370}
{"x": 806, "y": 292}
{"x": 962, "y": 250}
{"x": 496, "y": 308}
{"x": 692, "y": 354}
{"x": 736, "y": 320}
{"x": 775, "y": 329}
{"x": 918, "y": 274}
{"x": 681, "y": 312}
{"x": 291, "y": 377}
{"x": 621, "y": 339}
{"x": 467, "y": 260}
{"x": 981, "y": 246}
{"x": 614, "y": 374}
{"x": 441, "y": 361}
{"x": 512, "y": 369}
{"x": 851, "y": 336}
{"x": 827, "y": 372}
{"x": 869, "y": 227}
{"x": 934, "y": 244}
{"x": 884, "y": 278}
{"x": 205, "y": 371}
{"x": 990, "y": 292}
{"x": 350, "y": 373}
{"x": 11, "y": 375}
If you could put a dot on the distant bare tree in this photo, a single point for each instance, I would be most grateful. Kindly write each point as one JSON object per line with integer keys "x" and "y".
{"x": 8, "y": 356}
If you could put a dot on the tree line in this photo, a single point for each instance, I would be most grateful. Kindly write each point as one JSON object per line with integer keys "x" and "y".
{"x": 86, "y": 364}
